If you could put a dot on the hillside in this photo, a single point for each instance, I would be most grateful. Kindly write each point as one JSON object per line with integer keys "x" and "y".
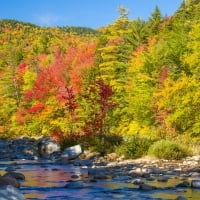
{"x": 132, "y": 77}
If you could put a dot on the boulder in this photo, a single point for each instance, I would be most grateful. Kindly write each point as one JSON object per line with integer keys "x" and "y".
{"x": 16, "y": 175}
{"x": 8, "y": 192}
{"x": 24, "y": 148}
{"x": 71, "y": 153}
{"x": 195, "y": 183}
{"x": 5, "y": 150}
{"x": 184, "y": 184}
{"x": 146, "y": 187}
{"x": 9, "y": 181}
{"x": 47, "y": 146}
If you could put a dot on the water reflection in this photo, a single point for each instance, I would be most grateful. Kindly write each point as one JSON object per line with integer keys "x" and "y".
{"x": 46, "y": 181}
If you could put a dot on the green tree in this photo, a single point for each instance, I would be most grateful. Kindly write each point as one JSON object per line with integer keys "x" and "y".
{"x": 154, "y": 21}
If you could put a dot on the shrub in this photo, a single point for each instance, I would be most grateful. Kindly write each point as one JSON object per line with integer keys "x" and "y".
{"x": 168, "y": 150}
{"x": 104, "y": 144}
{"x": 134, "y": 146}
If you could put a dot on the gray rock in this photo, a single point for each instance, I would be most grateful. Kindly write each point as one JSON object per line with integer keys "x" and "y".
{"x": 84, "y": 162}
{"x": 195, "y": 175}
{"x": 96, "y": 171}
{"x": 184, "y": 184}
{"x": 72, "y": 152}
{"x": 8, "y": 180}
{"x": 76, "y": 185}
{"x": 162, "y": 179}
{"x": 10, "y": 169}
{"x": 195, "y": 183}
{"x": 16, "y": 175}
{"x": 146, "y": 187}
{"x": 9, "y": 192}
{"x": 99, "y": 173}
{"x": 47, "y": 146}
{"x": 137, "y": 181}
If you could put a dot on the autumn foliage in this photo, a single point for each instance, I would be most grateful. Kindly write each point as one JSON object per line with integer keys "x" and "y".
{"x": 130, "y": 77}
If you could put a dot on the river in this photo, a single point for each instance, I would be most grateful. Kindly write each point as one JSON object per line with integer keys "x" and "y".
{"x": 52, "y": 181}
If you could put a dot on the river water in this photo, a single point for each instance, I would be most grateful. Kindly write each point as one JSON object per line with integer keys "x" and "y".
{"x": 48, "y": 180}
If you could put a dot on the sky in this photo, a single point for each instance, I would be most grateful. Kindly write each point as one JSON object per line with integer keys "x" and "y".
{"x": 86, "y": 13}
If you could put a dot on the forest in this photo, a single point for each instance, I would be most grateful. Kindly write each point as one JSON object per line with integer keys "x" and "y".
{"x": 130, "y": 87}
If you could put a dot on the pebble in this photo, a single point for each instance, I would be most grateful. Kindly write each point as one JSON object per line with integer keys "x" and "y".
{"x": 112, "y": 169}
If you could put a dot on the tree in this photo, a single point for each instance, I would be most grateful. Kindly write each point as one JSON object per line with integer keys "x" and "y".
{"x": 177, "y": 104}
{"x": 154, "y": 21}
{"x": 123, "y": 12}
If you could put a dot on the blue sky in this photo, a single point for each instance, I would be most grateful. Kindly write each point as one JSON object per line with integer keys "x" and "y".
{"x": 88, "y": 13}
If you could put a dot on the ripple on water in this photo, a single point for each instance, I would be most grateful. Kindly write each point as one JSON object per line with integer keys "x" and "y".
{"x": 47, "y": 181}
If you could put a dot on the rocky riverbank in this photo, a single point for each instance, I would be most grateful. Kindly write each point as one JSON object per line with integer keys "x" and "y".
{"x": 144, "y": 174}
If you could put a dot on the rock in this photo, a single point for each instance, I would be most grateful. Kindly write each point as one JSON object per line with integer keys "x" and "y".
{"x": 10, "y": 169}
{"x": 76, "y": 185}
{"x": 195, "y": 183}
{"x": 91, "y": 155}
{"x": 137, "y": 181}
{"x": 181, "y": 190}
{"x": 150, "y": 179}
{"x": 99, "y": 173}
{"x": 195, "y": 175}
{"x": 196, "y": 158}
{"x": 146, "y": 187}
{"x": 184, "y": 184}
{"x": 162, "y": 179}
{"x": 8, "y": 192}
{"x": 24, "y": 148}
{"x": 47, "y": 146}
{"x": 84, "y": 162}
{"x": 183, "y": 177}
{"x": 16, "y": 175}
{"x": 111, "y": 156}
{"x": 96, "y": 171}
{"x": 74, "y": 176}
{"x": 9, "y": 181}
{"x": 121, "y": 177}
{"x": 5, "y": 151}
{"x": 72, "y": 152}
{"x": 195, "y": 169}
{"x": 145, "y": 175}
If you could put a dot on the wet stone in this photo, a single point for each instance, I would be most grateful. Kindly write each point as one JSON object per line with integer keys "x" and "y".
{"x": 195, "y": 183}
{"x": 10, "y": 169}
{"x": 17, "y": 175}
{"x": 150, "y": 179}
{"x": 145, "y": 175}
{"x": 184, "y": 184}
{"x": 137, "y": 181}
{"x": 129, "y": 177}
{"x": 76, "y": 185}
{"x": 9, "y": 192}
{"x": 180, "y": 190}
{"x": 162, "y": 179}
{"x": 146, "y": 187}
{"x": 195, "y": 174}
{"x": 8, "y": 180}
{"x": 74, "y": 176}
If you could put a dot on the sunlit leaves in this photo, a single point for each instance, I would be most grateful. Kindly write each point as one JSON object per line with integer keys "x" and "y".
{"x": 192, "y": 57}
{"x": 178, "y": 103}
